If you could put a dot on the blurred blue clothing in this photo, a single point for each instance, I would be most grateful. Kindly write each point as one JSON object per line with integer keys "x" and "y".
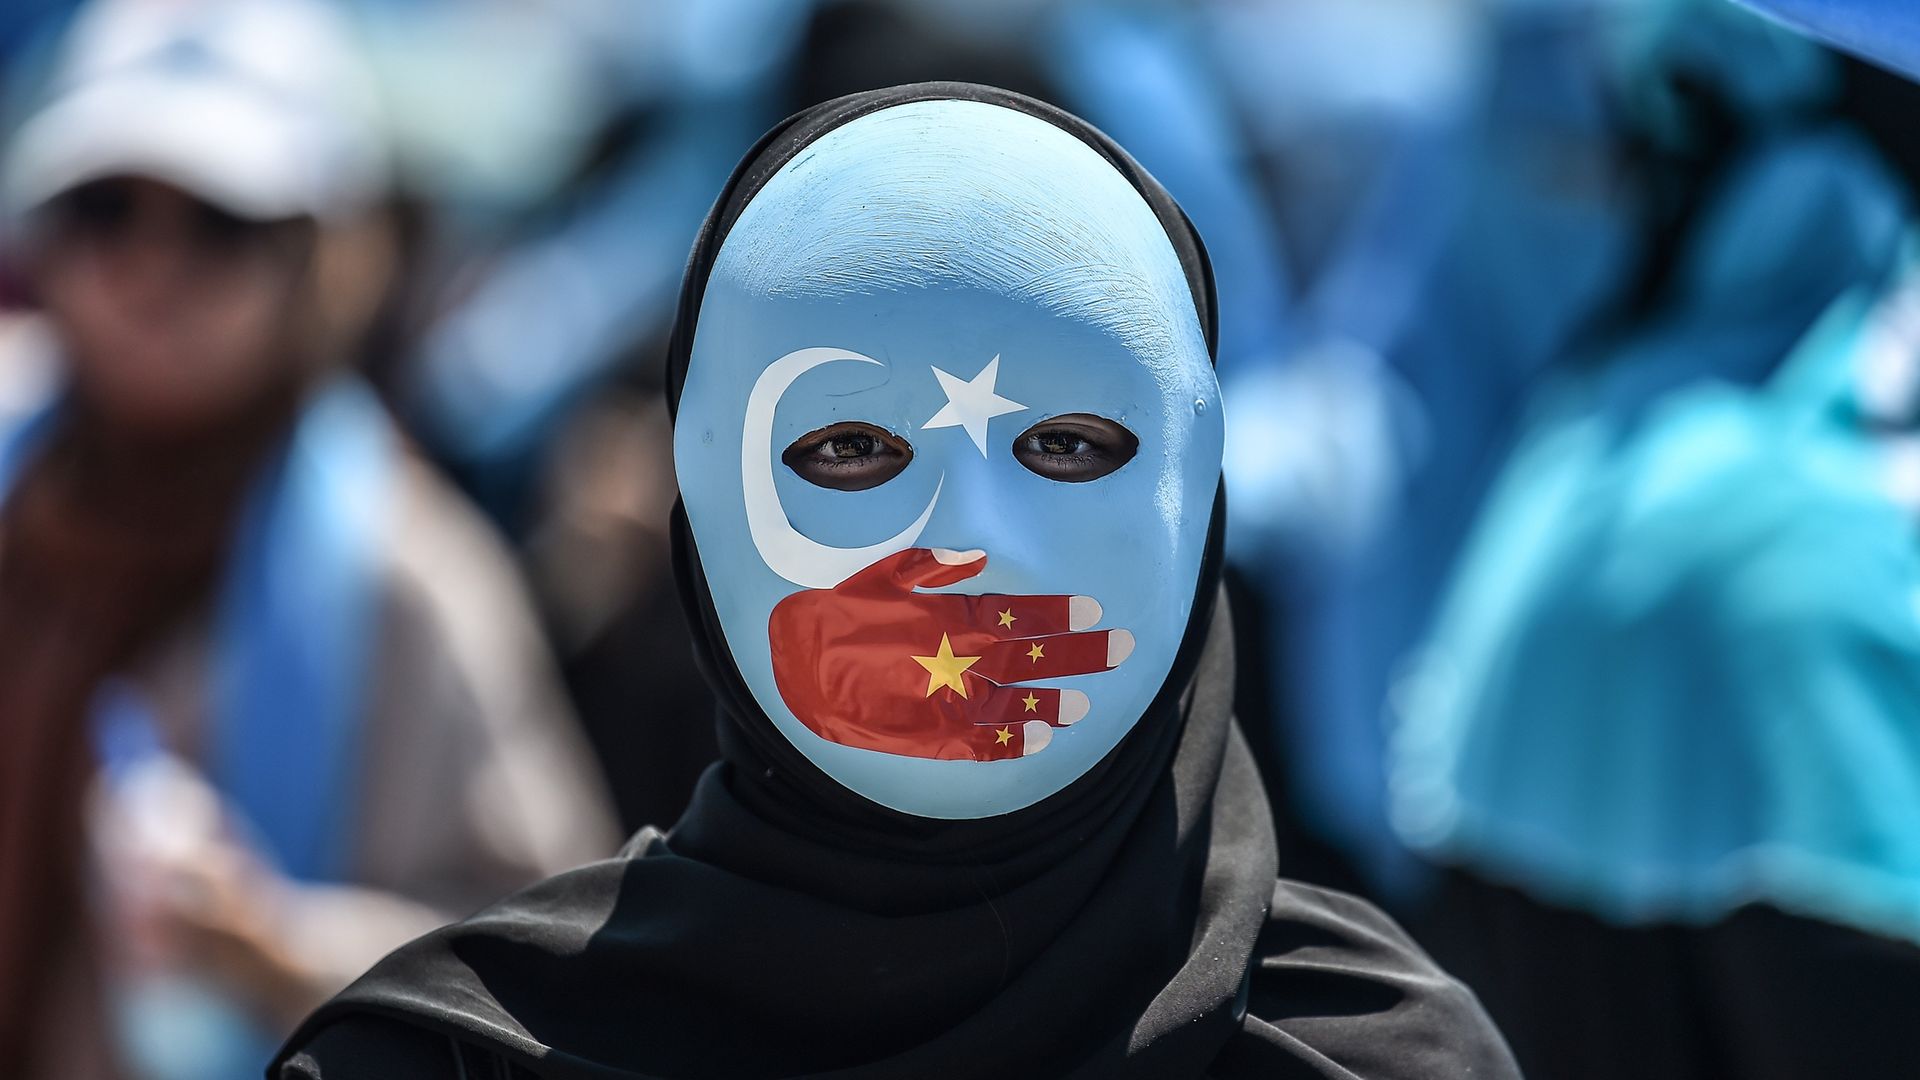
{"x": 294, "y": 627}
{"x": 1482, "y": 252}
{"x": 1679, "y": 668}
{"x": 1660, "y": 53}
{"x": 1507, "y": 250}
{"x": 297, "y": 622}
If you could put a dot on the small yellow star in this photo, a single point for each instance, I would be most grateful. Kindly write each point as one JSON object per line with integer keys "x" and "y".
{"x": 1032, "y": 703}
{"x": 1007, "y": 618}
{"x": 1005, "y": 736}
{"x": 945, "y": 669}
{"x": 1034, "y": 654}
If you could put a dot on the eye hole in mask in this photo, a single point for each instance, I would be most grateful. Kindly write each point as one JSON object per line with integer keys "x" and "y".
{"x": 848, "y": 456}
{"x": 1075, "y": 448}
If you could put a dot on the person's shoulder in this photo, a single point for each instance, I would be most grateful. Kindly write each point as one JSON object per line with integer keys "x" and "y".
{"x": 443, "y": 559}
{"x": 460, "y": 632}
{"x": 1336, "y": 985}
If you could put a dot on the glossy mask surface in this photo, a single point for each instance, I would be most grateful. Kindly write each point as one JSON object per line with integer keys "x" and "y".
{"x": 969, "y": 636}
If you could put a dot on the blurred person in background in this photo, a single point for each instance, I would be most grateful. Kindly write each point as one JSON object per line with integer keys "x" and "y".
{"x": 270, "y": 698}
{"x": 1664, "y": 731}
{"x": 1535, "y": 184}
{"x": 1384, "y": 180}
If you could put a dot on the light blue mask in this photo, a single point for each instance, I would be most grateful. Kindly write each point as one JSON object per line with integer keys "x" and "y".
{"x": 954, "y": 273}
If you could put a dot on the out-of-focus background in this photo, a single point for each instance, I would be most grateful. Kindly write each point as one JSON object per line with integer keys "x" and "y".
{"x": 1570, "y": 369}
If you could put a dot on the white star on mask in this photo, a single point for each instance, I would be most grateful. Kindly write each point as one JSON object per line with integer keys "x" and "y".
{"x": 971, "y": 403}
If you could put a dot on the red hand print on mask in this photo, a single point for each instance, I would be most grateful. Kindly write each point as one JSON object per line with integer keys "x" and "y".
{"x": 872, "y": 663}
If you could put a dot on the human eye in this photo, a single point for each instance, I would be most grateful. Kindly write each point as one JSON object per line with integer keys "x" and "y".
{"x": 1075, "y": 448}
{"x": 848, "y": 456}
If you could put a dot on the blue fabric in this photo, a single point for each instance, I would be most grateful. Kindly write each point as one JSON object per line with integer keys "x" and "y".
{"x": 1886, "y": 31}
{"x": 1680, "y": 667}
{"x": 17, "y": 440}
{"x": 1663, "y": 52}
{"x": 295, "y": 628}
{"x": 297, "y": 624}
{"x": 1475, "y": 263}
{"x": 1538, "y": 243}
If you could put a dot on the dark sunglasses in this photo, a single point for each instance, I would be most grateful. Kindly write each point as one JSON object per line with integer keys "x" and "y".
{"x": 113, "y": 210}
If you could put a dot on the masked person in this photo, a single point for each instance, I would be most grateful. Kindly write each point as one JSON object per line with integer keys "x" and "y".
{"x": 948, "y": 442}
{"x": 294, "y": 671}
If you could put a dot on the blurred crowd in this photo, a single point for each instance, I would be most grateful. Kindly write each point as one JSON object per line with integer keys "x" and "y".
{"x": 1571, "y": 357}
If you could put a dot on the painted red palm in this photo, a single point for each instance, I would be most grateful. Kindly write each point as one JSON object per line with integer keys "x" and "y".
{"x": 873, "y": 664}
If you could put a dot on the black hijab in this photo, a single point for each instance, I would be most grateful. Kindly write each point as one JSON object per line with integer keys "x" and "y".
{"x": 786, "y": 926}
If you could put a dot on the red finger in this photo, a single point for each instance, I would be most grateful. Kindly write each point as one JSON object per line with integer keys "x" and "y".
{"x": 1003, "y": 742}
{"x": 961, "y": 741}
{"x": 999, "y": 705}
{"x": 1054, "y": 657}
{"x": 903, "y": 571}
{"x": 1030, "y": 616}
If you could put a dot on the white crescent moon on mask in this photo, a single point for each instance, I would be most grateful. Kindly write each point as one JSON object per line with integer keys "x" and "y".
{"x": 786, "y": 551}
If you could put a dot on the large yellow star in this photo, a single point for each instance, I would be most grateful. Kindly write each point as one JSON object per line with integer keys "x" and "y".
{"x": 945, "y": 669}
{"x": 1007, "y": 618}
{"x": 1031, "y": 702}
{"x": 1035, "y": 653}
{"x": 1004, "y": 736}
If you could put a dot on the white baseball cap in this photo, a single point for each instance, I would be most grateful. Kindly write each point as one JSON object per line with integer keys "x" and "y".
{"x": 261, "y": 107}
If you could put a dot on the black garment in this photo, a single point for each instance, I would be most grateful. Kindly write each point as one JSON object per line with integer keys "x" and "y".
{"x": 1759, "y": 995}
{"x": 664, "y": 963}
{"x": 1338, "y": 992}
{"x": 1127, "y": 926}
{"x": 652, "y": 757}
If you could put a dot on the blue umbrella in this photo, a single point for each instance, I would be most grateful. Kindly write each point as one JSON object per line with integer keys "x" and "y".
{"x": 1884, "y": 31}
